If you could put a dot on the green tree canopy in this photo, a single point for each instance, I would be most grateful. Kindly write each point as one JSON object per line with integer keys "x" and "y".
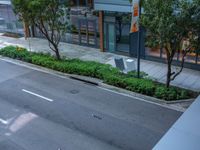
{"x": 51, "y": 17}
{"x": 169, "y": 23}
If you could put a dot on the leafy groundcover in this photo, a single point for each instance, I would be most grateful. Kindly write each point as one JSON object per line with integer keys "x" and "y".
{"x": 107, "y": 73}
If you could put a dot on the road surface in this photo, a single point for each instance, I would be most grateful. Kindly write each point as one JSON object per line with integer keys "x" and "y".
{"x": 41, "y": 111}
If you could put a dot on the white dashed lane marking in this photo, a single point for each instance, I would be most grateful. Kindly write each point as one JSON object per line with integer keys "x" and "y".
{"x": 37, "y": 95}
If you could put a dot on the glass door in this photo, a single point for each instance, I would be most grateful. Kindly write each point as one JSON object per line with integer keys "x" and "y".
{"x": 122, "y": 37}
{"x": 110, "y": 37}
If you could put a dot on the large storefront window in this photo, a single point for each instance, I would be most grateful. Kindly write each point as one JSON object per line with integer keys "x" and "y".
{"x": 157, "y": 52}
{"x": 84, "y": 23}
{"x": 153, "y": 50}
{"x": 117, "y": 32}
{"x": 190, "y": 57}
{"x": 122, "y": 37}
{"x": 122, "y": 32}
{"x": 84, "y": 30}
{"x": 197, "y": 57}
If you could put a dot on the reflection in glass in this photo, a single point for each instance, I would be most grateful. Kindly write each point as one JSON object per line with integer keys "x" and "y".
{"x": 111, "y": 32}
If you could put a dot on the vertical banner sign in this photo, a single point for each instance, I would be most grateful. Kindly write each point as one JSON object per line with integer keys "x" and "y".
{"x": 135, "y": 17}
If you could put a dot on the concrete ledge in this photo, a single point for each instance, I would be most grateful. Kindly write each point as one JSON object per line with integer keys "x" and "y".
{"x": 144, "y": 96}
{"x": 184, "y": 134}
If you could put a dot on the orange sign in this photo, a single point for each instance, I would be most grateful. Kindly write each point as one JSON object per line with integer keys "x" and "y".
{"x": 136, "y": 10}
{"x": 134, "y": 28}
{"x": 135, "y": 17}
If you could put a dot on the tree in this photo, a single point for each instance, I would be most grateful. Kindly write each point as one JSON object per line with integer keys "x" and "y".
{"x": 21, "y": 7}
{"x": 196, "y": 17}
{"x": 170, "y": 23}
{"x": 51, "y": 17}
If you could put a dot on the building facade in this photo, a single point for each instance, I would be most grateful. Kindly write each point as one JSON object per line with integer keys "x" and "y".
{"x": 103, "y": 24}
{"x": 115, "y": 22}
{"x": 8, "y": 21}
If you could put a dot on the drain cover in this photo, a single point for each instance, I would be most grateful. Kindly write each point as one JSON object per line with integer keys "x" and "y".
{"x": 74, "y": 91}
{"x": 96, "y": 116}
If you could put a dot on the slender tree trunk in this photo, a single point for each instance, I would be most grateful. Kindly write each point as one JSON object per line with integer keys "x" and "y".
{"x": 53, "y": 46}
{"x": 26, "y": 30}
{"x": 58, "y": 55}
{"x": 33, "y": 30}
{"x": 168, "y": 74}
{"x": 55, "y": 49}
{"x": 57, "y": 52}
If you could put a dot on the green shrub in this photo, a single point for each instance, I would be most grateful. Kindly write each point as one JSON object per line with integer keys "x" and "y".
{"x": 16, "y": 53}
{"x": 107, "y": 73}
{"x": 143, "y": 86}
{"x": 115, "y": 80}
{"x": 161, "y": 92}
{"x": 183, "y": 94}
{"x": 134, "y": 74}
{"x": 44, "y": 61}
{"x": 106, "y": 70}
{"x": 171, "y": 93}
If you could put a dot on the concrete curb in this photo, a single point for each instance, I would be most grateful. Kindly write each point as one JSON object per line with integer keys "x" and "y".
{"x": 153, "y": 99}
{"x": 95, "y": 82}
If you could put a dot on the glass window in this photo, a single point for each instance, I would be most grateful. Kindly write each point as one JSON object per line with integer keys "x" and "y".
{"x": 122, "y": 31}
{"x": 111, "y": 34}
{"x": 8, "y": 20}
{"x": 191, "y": 57}
{"x": 198, "y": 58}
{"x": 155, "y": 52}
{"x": 152, "y": 48}
{"x": 105, "y": 36}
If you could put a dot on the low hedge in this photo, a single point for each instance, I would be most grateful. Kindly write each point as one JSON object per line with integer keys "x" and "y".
{"x": 107, "y": 73}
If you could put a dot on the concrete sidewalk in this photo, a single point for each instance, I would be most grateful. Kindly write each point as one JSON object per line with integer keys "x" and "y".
{"x": 189, "y": 79}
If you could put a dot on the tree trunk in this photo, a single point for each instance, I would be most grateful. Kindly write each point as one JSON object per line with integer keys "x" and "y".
{"x": 33, "y": 30}
{"x": 168, "y": 74}
{"x": 26, "y": 30}
{"x": 54, "y": 47}
{"x": 57, "y": 52}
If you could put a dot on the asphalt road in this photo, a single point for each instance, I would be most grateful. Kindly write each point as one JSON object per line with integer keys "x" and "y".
{"x": 41, "y": 111}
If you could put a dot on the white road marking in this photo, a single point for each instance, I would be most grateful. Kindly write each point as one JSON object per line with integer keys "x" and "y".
{"x": 37, "y": 95}
{"x": 3, "y": 121}
{"x": 141, "y": 99}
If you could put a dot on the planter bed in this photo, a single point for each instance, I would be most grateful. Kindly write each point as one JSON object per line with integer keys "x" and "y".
{"x": 106, "y": 73}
